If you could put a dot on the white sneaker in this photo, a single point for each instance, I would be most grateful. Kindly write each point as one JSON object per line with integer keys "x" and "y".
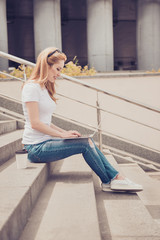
{"x": 106, "y": 187}
{"x": 125, "y": 185}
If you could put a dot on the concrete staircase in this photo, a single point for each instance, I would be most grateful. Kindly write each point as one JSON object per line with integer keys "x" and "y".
{"x": 63, "y": 200}
{"x": 132, "y": 216}
{"x": 19, "y": 189}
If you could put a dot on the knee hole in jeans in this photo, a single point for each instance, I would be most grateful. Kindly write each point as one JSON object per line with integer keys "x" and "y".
{"x": 90, "y": 143}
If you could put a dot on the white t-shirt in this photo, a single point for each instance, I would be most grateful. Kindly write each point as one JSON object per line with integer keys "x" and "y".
{"x": 32, "y": 92}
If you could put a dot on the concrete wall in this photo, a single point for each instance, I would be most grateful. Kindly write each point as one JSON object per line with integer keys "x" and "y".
{"x": 74, "y": 32}
{"x": 136, "y": 31}
{"x": 3, "y": 34}
{"x": 148, "y": 34}
{"x": 20, "y": 29}
{"x": 47, "y": 24}
{"x": 124, "y": 16}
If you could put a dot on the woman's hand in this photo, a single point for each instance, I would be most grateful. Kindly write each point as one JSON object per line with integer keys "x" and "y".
{"x": 70, "y": 134}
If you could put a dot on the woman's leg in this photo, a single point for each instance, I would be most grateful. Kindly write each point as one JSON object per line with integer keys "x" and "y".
{"x": 57, "y": 149}
{"x": 105, "y": 161}
{"x": 96, "y": 157}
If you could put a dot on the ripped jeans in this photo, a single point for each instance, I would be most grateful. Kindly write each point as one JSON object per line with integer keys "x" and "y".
{"x": 57, "y": 149}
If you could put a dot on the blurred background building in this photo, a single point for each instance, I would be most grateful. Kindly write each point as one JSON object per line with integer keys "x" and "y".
{"x": 106, "y": 34}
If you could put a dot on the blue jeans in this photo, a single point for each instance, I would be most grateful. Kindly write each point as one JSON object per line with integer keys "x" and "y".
{"x": 57, "y": 149}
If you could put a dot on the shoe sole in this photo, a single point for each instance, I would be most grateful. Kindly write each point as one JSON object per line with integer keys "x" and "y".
{"x": 126, "y": 190}
{"x": 107, "y": 190}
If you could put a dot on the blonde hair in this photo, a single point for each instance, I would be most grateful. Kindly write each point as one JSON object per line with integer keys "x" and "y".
{"x": 46, "y": 58}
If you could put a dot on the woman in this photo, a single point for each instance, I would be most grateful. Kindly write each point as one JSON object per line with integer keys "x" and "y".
{"x": 44, "y": 141}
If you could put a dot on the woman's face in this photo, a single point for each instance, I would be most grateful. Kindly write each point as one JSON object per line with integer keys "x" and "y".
{"x": 55, "y": 71}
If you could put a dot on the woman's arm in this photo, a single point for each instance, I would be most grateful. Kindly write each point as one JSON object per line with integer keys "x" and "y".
{"x": 57, "y": 128}
{"x": 54, "y": 131}
{"x": 64, "y": 131}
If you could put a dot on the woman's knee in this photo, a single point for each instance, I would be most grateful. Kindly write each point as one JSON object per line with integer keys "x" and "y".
{"x": 91, "y": 143}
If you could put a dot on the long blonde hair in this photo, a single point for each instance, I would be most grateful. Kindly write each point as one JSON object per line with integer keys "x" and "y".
{"x": 46, "y": 58}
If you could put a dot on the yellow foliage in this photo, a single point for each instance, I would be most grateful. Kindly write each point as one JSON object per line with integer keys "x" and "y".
{"x": 154, "y": 71}
{"x": 73, "y": 69}
{"x": 2, "y": 75}
{"x": 19, "y": 72}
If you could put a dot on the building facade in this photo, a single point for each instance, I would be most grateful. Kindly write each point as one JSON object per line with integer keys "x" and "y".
{"x": 105, "y": 34}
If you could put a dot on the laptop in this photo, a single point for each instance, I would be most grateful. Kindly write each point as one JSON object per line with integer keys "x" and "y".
{"x": 83, "y": 136}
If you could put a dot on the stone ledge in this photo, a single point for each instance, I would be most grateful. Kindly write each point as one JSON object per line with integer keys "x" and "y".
{"x": 19, "y": 190}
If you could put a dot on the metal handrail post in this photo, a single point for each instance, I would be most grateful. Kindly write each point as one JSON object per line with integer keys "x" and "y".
{"x": 24, "y": 73}
{"x": 99, "y": 123}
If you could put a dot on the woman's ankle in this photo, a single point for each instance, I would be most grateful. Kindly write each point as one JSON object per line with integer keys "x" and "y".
{"x": 119, "y": 177}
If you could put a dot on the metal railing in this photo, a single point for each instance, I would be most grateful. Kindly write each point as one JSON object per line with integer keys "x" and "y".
{"x": 90, "y": 86}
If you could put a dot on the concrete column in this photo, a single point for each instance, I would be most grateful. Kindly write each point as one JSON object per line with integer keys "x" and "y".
{"x": 100, "y": 34}
{"x": 148, "y": 34}
{"x": 3, "y": 34}
{"x": 22, "y": 30}
{"x": 47, "y": 24}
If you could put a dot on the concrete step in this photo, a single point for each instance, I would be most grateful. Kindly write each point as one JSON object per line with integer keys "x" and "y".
{"x": 151, "y": 194}
{"x": 11, "y": 104}
{"x": 3, "y": 116}
{"x": 147, "y": 167}
{"x": 126, "y": 157}
{"x": 6, "y": 164}
{"x": 6, "y": 114}
{"x": 19, "y": 190}
{"x": 7, "y": 126}
{"x": 66, "y": 208}
{"x": 68, "y": 205}
{"x": 124, "y": 216}
{"x": 9, "y": 144}
{"x": 11, "y": 113}
{"x": 155, "y": 175}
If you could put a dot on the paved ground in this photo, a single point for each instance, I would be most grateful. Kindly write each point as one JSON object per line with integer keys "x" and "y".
{"x": 142, "y": 89}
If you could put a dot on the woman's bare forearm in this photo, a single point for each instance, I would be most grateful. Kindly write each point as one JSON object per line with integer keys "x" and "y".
{"x": 41, "y": 127}
{"x": 57, "y": 128}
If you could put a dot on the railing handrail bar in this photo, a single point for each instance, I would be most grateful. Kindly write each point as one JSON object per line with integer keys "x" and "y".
{"x": 111, "y": 134}
{"x": 8, "y": 75}
{"x": 111, "y": 94}
{"x": 25, "y": 62}
{"x": 93, "y": 128}
{"x": 16, "y": 59}
{"x": 106, "y": 111}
